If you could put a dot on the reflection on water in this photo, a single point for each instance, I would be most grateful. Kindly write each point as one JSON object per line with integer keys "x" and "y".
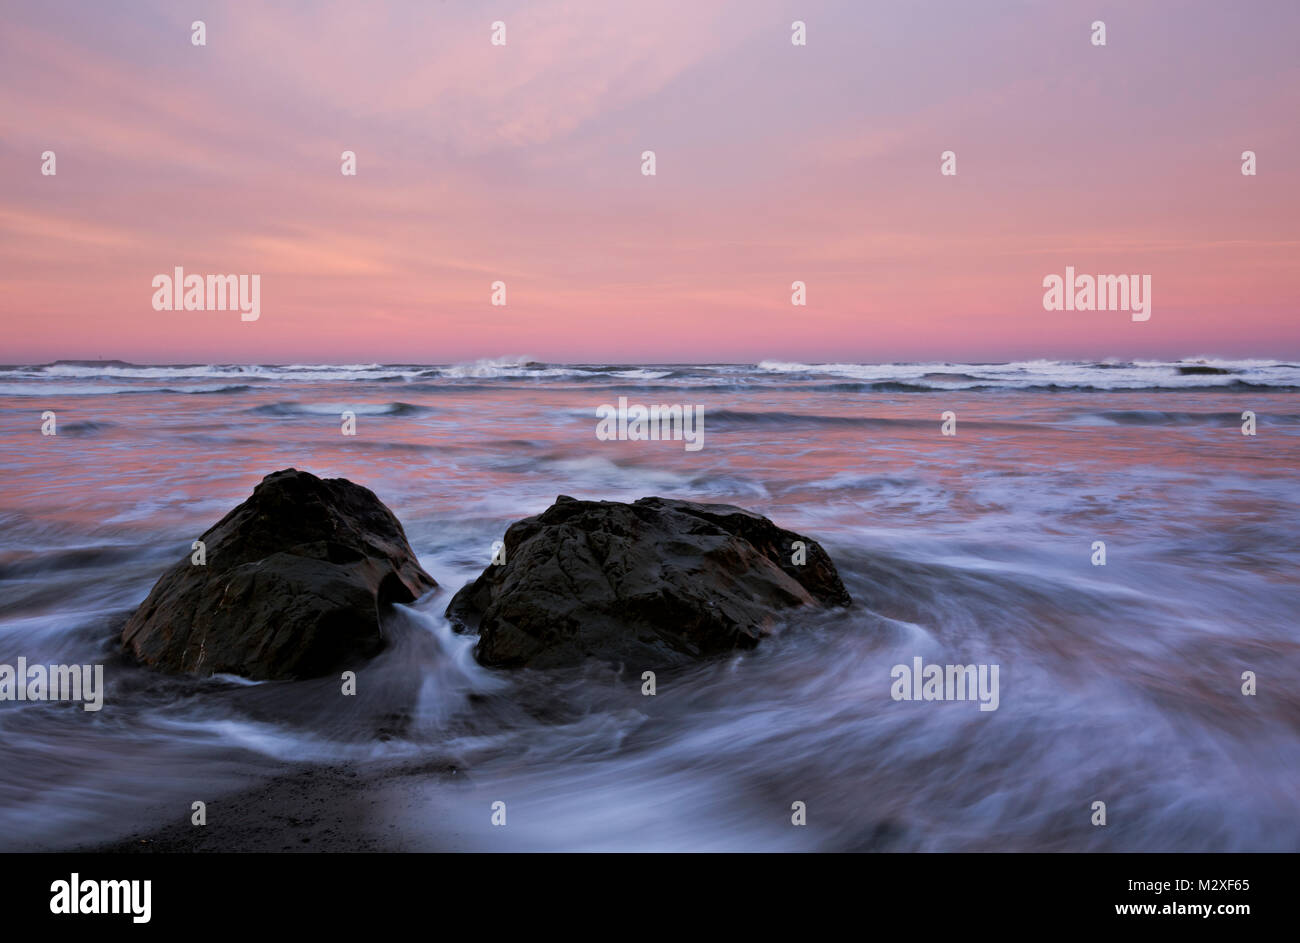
{"x": 1118, "y": 683}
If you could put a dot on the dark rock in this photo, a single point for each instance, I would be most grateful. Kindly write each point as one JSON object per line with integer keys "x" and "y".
{"x": 657, "y": 582}
{"x": 293, "y": 585}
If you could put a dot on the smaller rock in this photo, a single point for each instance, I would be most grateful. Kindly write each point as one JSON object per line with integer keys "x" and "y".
{"x": 294, "y": 581}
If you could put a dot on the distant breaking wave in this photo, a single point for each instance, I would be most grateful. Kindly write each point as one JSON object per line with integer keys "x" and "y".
{"x": 80, "y": 377}
{"x": 1055, "y": 374}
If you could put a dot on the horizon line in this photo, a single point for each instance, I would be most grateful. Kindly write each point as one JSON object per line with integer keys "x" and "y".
{"x": 527, "y": 362}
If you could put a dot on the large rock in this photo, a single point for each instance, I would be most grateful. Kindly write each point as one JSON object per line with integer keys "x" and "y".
{"x": 293, "y": 585}
{"x": 655, "y": 582}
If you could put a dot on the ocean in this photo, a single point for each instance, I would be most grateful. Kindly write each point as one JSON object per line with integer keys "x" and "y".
{"x": 1120, "y": 683}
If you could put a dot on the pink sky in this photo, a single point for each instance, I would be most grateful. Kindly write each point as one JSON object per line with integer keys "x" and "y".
{"x": 775, "y": 163}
